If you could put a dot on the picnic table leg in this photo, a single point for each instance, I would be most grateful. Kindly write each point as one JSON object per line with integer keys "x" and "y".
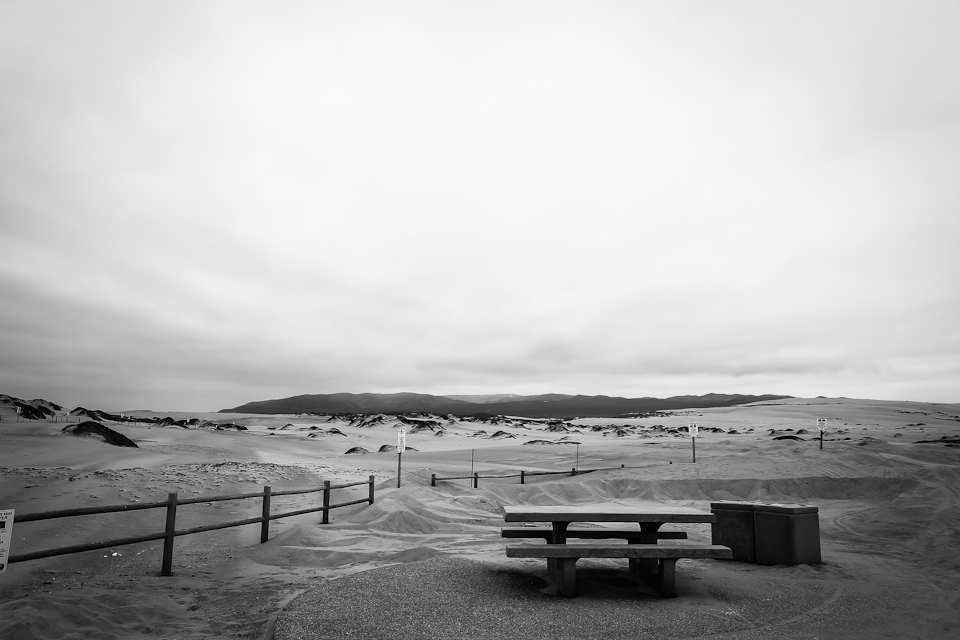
{"x": 559, "y": 537}
{"x": 666, "y": 578}
{"x": 566, "y": 576}
{"x": 648, "y": 532}
{"x": 648, "y": 535}
{"x": 560, "y": 532}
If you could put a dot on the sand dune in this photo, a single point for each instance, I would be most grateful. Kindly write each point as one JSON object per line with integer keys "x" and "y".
{"x": 889, "y": 509}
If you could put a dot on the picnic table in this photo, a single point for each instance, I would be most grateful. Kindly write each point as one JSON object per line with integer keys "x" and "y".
{"x": 649, "y": 559}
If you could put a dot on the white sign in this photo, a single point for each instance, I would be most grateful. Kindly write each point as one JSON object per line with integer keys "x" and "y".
{"x": 6, "y": 534}
{"x": 693, "y": 430}
{"x": 401, "y": 440}
{"x": 822, "y": 424}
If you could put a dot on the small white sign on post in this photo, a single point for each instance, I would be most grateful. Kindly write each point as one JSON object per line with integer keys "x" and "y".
{"x": 692, "y": 429}
{"x": 6, "y": 535}
{"x": 822, "y": 424}
{"x": 402, "y": 440}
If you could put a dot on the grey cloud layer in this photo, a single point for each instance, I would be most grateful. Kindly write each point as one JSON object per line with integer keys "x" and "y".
{"x": 203, "y": 206}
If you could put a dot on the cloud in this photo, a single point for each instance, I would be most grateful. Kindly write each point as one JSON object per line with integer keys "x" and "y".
{"x": 205, "y": 207}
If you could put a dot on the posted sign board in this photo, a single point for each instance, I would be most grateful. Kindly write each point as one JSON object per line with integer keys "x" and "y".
{"x": 822, "y": 424}
{"x": 693, "y": 430}
{"x": 6, "y": 535}
{"x": 402, "y": 440}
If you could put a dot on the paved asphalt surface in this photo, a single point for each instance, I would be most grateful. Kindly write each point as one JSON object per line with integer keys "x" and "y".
{"x": 454, "y": 598}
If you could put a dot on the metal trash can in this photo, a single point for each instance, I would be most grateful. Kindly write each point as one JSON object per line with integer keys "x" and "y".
{"x": 734, "y": 528}
{"x": 786, "y": 534}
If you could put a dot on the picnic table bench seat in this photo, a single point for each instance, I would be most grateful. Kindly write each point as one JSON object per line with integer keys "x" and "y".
{"x": 655, "y": 563}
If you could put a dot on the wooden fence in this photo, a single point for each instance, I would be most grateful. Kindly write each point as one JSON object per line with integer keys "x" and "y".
{"x": 170, "y": 532}
{"x": 523, "y": 475}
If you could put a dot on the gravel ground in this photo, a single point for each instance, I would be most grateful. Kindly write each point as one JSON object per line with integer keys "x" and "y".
{"x": 452, "y": 597}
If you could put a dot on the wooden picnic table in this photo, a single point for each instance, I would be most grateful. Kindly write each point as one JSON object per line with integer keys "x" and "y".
{"x": 653, "y": 562}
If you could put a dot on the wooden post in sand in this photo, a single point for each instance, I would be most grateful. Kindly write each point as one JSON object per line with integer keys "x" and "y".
{"x": 401, "y": 445}
{"x": 370, "y": 499}
{"x": 326, "y": 502}
{"x": 265, "y": 524}
{"x": 170, "y": 533}
{"x": 521, "y": 476}
{"x": 476, "y": 478}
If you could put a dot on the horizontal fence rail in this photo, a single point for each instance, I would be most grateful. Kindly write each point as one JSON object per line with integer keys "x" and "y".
{"x": 171, "y": 532}
{"x": 523, "y": 475}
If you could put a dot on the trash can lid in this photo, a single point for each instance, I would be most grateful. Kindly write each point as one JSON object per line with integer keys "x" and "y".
{"x": 732, "y": 504}
{"x": 788, "y": 509}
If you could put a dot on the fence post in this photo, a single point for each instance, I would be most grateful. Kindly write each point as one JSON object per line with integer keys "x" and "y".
{"x": 476, "y": 477}
{"x": 326, "y": 502}
{"x": 371, "y": 489}
{"x": 573, "y": 472}
{"x": 265, "y": 525}
{"x": 433, "y": 479}
{"x": 170, "y": 531}
{"x": 521, "y": 476}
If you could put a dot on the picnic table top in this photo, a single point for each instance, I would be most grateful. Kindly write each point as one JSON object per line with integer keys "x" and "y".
{"x": 604, "y": 512}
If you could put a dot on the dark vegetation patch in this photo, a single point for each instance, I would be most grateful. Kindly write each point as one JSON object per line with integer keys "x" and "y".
{"x": 357, "y": 450}
{"x": 96, "y": 430}
{"x": 944, "y": 440}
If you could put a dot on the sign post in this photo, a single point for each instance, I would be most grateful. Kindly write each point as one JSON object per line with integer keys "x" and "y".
{"x": 401, "y": 445}
{"x": 6, "y": 535}
{"x": 693, "y": 429}
{"x": 822, "y": 426}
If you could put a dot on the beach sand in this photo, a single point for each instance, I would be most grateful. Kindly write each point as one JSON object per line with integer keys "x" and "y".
{"x": 889, "y": 523}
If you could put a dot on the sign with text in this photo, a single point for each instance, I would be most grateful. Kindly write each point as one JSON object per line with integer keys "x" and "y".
{"x": 6, "y": 535}
{"x": 694, "y": 430}
{"x": 402, "y": 440}
{"x": 822, "y": 424}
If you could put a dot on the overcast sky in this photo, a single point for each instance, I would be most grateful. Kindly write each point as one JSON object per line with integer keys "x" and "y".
{"x": 209, "y": 203}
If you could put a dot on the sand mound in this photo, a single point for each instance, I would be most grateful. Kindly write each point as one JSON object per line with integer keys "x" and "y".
{"x": 422, "y": 510}
{"x": 101, "y": 432}
{"x": 326, "y": 547}
{"x": 772, "y": 490}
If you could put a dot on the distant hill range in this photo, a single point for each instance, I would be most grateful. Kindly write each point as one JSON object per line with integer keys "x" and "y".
{"x": 543, "y": 406}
